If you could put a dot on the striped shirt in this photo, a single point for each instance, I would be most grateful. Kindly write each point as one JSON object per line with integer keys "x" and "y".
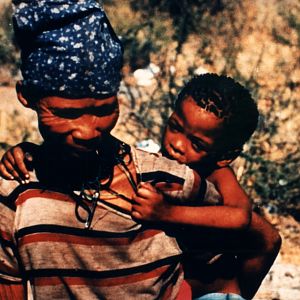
{"x": 44, "y": 242}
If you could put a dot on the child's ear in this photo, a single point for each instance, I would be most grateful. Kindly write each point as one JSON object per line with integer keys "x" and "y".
{"x": 228, "y": 158}
{"x": 224, "y": 162}
{"x": 23, "y": 100}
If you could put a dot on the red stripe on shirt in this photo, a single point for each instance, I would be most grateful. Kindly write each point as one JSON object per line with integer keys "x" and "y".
{"x": 51, "y": 281}
{"x": 196, "y": 184}
{"x": 42, "y": 194}
{"x": 166, "y": 186}
{"x": 6, "y": 236}
{"x": 72, "y": 239}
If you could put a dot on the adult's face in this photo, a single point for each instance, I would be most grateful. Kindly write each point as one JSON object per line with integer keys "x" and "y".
{"x": 76, "y": 126}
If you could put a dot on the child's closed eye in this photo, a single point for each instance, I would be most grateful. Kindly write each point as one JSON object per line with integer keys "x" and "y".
{"x": 174, "y": 126}
{"x": 198, "y": 146}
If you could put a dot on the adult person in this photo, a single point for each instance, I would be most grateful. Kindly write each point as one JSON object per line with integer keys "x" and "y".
{"x": 192, "y": 135}
{"x": 70, "y": 232}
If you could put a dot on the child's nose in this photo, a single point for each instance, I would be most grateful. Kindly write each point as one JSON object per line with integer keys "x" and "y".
{"x": 179, "y": 146}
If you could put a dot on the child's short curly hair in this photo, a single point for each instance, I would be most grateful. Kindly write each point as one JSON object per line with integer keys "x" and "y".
{"x": 228, "y": 100}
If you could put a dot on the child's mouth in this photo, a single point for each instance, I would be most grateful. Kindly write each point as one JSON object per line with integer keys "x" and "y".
{"x": 167, "y": 154}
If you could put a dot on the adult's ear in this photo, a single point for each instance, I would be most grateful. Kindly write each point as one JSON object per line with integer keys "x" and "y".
{"x": 21, "y": 95}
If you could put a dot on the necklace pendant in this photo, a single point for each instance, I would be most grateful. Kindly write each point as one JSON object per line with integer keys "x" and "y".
{"x": 89, "y": 219}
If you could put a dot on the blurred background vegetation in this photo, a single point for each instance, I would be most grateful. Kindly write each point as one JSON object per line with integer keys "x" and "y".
{"x": 257, "y": 42}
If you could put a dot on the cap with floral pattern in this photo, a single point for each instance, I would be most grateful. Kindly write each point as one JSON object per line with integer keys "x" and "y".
{"x": 68, "y": 48}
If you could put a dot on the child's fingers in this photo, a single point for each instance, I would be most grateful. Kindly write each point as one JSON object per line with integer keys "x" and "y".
{"x": 163, "y": 186}
{"x": 144, "y": 193}
{"x": 136, "y": 215}
{"x": 19, "y": 158}
{"x": 137, "y": 200}
{"x": 146, "y": 189}
{"x": 137, "y": 211}
{"x": 8, "y": 157}
{"x": 10, "y": 169}
{"x": 4, "y": 173}
{"x": 147, "y": 185}
{"x": 12, "y": 164}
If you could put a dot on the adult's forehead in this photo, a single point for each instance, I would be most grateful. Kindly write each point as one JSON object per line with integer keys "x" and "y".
{"x": 60, "y": 102}
{"x": 68, "y": 48}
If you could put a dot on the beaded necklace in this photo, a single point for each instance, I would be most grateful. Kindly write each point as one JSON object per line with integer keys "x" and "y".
{"x": 91, "y": 190}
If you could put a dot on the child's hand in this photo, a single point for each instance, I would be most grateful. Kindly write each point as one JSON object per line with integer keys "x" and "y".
{"x": 149, "y": 204}
{"x": 13, "y": 165}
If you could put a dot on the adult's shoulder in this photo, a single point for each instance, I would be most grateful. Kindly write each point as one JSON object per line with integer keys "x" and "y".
{"x": 7, "y": 187}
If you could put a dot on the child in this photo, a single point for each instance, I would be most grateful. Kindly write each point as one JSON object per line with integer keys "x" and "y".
{"x": 213, "y": 118}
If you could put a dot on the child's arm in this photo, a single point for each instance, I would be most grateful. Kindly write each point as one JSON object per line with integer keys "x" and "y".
{"x": 235, "y": 214}
{"x": 264, "y": 243}
{"x": 257, "y": 248}
{"x": 14, "y": 163}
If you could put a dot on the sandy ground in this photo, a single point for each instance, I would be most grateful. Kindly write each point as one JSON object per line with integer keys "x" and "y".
{"x": 283, "y": 280}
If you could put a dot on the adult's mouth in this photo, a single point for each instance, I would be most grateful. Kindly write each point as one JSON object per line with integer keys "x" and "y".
{"x": 76, "y": 150}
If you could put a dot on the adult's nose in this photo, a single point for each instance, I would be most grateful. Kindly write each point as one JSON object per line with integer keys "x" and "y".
{"x": 86, "y": 129}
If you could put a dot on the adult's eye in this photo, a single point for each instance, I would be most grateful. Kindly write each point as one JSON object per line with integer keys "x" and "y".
{"x": 104, "y": 112}
{"x": 67, "y": 114}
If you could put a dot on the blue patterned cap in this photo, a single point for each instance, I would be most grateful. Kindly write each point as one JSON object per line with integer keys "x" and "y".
{"x": 68, "y": 48}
